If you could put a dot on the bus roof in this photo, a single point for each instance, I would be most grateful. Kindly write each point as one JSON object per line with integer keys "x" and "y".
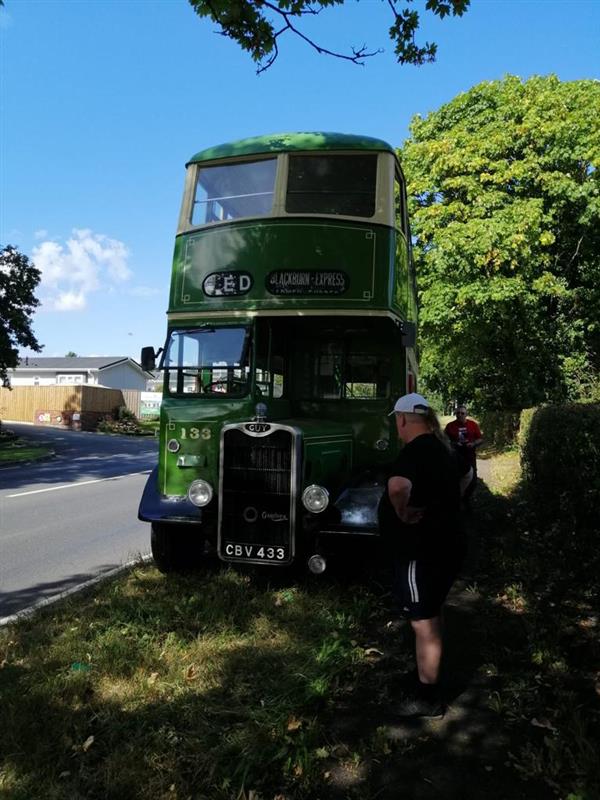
{"x": 284, "y": 142}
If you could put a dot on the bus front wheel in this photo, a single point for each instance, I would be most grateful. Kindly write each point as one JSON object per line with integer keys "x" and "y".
{"x": 176, "y": 548}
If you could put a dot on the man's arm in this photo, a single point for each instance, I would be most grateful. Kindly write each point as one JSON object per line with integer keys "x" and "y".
{"x": 478, "y": 436}
{"x": 399, "y": 490}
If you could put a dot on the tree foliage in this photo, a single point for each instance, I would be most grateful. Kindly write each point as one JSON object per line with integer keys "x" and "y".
{"x": 505, "y": 189}
{"x": 18, "y": 281}
{"x": 257, "y": 25}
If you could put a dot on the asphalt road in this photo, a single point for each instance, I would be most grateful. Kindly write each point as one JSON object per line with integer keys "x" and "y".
{"x": 69, "y": 519}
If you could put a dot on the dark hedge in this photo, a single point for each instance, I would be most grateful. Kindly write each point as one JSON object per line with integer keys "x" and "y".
{"x": 499, "y": 428}
{"x": 560, "y": 459}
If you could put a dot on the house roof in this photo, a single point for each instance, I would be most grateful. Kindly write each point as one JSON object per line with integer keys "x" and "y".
{"x": 73, "y": 363}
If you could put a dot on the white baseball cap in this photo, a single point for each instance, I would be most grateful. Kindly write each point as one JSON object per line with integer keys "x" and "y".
{"x": 410, "y": 404}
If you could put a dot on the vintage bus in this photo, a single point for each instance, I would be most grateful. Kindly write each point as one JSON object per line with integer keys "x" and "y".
{"x": 291, "y": 331}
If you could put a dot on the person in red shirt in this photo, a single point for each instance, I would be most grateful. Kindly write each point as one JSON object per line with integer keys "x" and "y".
{"x": 465, "y": 436}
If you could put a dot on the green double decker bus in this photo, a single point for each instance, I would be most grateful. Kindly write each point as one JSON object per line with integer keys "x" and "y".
{"x": 291, "y": 330}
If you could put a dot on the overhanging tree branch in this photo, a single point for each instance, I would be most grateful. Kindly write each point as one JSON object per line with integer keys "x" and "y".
{"x": 249, "y": 23}
{"x": 357, "y": 56}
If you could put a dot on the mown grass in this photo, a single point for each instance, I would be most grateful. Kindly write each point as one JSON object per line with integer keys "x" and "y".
{"x": 202, "y": 686}
{"x": 15, "y": 449}
{"x": 225, "y": 686}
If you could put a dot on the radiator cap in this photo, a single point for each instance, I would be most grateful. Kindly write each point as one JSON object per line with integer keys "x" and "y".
{"x": 260, "y": 411}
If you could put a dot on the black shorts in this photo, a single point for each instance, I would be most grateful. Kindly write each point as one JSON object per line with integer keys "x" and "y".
{"x": 421, "y": 587}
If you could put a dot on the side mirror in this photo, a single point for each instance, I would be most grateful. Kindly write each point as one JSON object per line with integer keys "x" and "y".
{"x": 148, "y": 359}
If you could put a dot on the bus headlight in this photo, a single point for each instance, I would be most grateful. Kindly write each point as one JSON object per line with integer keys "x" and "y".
{"x": 317, "y": 564}
{"x": 315, "y": 498}
{"x": 200, "y": 492}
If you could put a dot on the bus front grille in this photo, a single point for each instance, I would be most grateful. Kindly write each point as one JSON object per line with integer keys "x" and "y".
{"x": 257, "y": 496}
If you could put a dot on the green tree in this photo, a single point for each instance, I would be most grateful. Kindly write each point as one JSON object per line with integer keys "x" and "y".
{"x": 505, "y": 188}
{"x": 18, "y": 281}
{"x": 70, "y": 354}
{"x": 256, "y": 26}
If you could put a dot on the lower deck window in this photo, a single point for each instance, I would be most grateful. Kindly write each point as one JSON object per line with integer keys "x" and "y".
{"x": 342, "y": 370}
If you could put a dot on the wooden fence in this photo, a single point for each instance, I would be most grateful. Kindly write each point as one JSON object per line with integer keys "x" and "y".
{"x": 78, "y": 407}
{"x": 132, "y": 399}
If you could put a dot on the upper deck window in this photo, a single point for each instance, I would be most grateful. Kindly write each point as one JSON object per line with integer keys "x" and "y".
{"x": 327, "y": 184}
{"x": 233, "y": 191}
{"x": 399, "y": 205}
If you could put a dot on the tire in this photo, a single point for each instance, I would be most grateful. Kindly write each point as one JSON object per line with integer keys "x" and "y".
{"x": 176, "y": 548}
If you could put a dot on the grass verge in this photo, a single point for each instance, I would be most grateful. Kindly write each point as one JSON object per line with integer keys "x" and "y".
{"x": 208, "y": 686}
{"x": 539, "y": 637}
{"x": 223, "y": 686}
{"x": 14, "y": 450}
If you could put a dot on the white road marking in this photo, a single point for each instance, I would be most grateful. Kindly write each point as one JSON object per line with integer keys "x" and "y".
{"x": 78, "y": 483}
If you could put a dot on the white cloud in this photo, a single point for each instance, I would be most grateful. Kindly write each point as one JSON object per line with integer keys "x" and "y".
{"x": 41, "y": 234}
{"x": 86, "y": 262}
{"x": 69, "y": 301}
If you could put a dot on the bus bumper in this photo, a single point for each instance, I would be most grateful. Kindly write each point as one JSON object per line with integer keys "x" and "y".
{"x": 155, "y": 507}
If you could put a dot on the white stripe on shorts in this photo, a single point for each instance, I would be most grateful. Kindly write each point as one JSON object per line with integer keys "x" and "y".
{"x": 412, "y": 582}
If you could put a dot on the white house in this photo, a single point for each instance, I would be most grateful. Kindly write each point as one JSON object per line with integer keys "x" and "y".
{"x": 114, "y": 372}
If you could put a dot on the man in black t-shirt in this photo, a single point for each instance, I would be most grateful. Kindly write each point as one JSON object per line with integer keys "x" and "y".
{"x": 419, "y": 516}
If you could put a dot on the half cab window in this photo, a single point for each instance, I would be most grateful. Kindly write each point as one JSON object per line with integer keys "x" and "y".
{"x": 208, "y": 361}
{"x": 233, "y": 191}
{"x": 341, "y": 185}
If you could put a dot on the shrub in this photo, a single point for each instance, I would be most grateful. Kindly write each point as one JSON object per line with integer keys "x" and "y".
{"x": 124, "y": 414}
{"x": 560, "y": 459}
{"x": 499, "y": 428}
{"x": 122, "y": 421}
{"x": 6, "y": 434}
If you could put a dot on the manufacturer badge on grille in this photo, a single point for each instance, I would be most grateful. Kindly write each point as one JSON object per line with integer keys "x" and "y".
{"x": 250, "y": 514}
{"x": 257, "y": 427}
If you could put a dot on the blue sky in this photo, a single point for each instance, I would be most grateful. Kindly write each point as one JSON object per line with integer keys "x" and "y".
{"x": 103, "y": 102}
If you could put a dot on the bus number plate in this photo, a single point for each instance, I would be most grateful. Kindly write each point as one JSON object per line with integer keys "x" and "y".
{"x": 254, "y": 552}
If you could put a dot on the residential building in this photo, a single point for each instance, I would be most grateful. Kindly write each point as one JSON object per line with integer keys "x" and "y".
{"x": 114, "y": 372}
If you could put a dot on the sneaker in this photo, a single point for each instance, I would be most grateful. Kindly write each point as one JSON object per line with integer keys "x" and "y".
{"x": 408, "y": 682}
{"x": 419, "y": 708}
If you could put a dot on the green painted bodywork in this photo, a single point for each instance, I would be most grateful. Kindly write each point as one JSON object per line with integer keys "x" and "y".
{"x": 374, "y": 257}
{"x": 291, "y": 142}
{"x": 196, "y": 426}
{"x": 339, "y": 438}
